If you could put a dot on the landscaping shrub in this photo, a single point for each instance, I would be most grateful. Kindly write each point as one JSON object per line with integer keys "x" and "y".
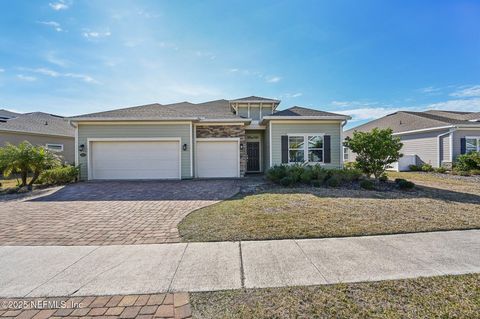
{"x": 276, "y": 173}
{"x": 404, "y": 184}
{"x": 427, "y": 168}
{"x": 463, "y": 173}
{"x": 295, "y": 171}
{"x": 307, "y": 175}
{"x": 383, "y": 178}
{"x": 333, "y": 182}
{"x": 60, "y": 175}
{"x": 319, "y": 173}
{"x": 367, "y": 184}
{"x": 316, "y": 183}
{"x": 350, "y": 165}
{"x": 287, "y": 181}
{"x": 441, "y": 170}
{"x": 467, "y": 162}
{"x": 415, "y": 168}
{"x": 475, "y": 172}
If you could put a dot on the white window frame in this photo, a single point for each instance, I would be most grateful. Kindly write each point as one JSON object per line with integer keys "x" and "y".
{"x": 345, "y": 153}
{"x": 305, "y": 146}
{"x": 472, "y": 138}
{"x": 48, "y": 145}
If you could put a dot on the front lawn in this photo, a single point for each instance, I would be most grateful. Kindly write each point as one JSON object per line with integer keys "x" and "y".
{"x": 434, "y": 297}
{"x": 307, "y": 212}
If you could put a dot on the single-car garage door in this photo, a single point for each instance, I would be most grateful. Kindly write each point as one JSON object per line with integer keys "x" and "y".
{"x": 134, "y": 159}
{"x": 217, "y": 158}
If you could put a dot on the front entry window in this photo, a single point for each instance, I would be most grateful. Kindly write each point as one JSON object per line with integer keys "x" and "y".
{"x": 305, "y": 148}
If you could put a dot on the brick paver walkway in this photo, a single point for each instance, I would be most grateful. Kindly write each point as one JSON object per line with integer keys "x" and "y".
{"x": 109, "y": 213}
{"x": 131, "y": 306}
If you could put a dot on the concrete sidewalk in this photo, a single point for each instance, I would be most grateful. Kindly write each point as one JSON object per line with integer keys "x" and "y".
{"x": 89, "y": 270}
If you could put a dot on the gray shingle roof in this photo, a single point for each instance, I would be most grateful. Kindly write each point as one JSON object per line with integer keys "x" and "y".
{"x": 7, "y": 114}
{"x": 404, "y": 121}
{"x": 303, "y": 111}
{"x": 255, "y": 99}
{"x": 218, "y": 109}
{"x": 39, "y": 123}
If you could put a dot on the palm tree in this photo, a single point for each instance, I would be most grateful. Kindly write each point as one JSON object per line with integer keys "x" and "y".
{"x": 26, "y": 158}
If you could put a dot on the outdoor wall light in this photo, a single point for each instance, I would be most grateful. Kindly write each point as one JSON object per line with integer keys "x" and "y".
{"x": 241, "y": 147}
{"x": 81, "y": 148}
{"x": 184, "y": 147}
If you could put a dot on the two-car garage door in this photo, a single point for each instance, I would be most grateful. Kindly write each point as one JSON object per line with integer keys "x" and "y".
{"x": 135, "y": 159}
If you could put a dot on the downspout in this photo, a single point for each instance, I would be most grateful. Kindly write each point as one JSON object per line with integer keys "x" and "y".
{"x": 439, "y": 154}
{"x": 341, "y": 141}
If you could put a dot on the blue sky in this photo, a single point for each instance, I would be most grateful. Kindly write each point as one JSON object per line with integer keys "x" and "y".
{"x": 363, "y": 58}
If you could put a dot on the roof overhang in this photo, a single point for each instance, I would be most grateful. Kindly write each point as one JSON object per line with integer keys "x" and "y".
{"x": 34, "y": 133}
{"x": 304, "y": 118}
{"x": 437, "y": 128}
{"x": 154, "y": 119}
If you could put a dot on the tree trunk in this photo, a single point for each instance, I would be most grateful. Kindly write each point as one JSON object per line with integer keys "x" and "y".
{"x": 34, "y": 179}
{"x": 23, "y": 175}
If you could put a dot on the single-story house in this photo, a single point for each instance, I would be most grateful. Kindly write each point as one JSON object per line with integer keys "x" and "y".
{"x": 50, "y": 131}
{"x": 222, "y": 138}
{"x": 432, "y": 137}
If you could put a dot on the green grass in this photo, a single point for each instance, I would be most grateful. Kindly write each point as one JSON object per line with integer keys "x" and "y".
{"x": 321, "y": 212}
{"x": 434, "y": 297}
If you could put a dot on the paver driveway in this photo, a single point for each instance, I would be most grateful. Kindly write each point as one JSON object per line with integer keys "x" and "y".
{"x": 109, "y": 213}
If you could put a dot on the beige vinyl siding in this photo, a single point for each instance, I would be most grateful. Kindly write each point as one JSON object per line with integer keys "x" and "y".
{"x": 332, "y": 129}
{"x": 266, "y": 110}
{"x": 86, "y": 131}
{"x": 255, "y": 112}
{"x": 424, "y": 145}
{"x": 243, "y": 111}
{"x": 68, "y": 153}
{"x": 457, "y": 136}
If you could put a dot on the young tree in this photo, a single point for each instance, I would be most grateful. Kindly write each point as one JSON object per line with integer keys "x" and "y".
{"x": 26, "y": 159}
{"x": 375, "y": 150}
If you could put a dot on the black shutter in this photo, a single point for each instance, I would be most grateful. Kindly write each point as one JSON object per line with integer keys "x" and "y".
{"x": 463, "y": 145}
{"x": 327, "y": 158}
{"x": 284, "y": 149}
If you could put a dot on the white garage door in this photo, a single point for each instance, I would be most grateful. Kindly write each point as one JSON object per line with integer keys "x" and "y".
{"x": 135, "y": 160}
{"x": 217, "y": 158}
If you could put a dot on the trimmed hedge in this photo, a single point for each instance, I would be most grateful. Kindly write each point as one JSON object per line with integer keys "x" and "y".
{"x": 59, "y": 175}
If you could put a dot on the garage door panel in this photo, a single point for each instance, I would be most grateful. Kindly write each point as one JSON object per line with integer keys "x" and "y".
{"x": 217, "y": 159}
{"x": 135, "y": 159}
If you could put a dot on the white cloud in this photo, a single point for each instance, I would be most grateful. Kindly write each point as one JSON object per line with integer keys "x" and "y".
{"x": 26, "y": 78}
{"x": 467, "y": 105}
{"x": 273, "y": 79}
{"x": 59, "y": 5}
{"x": 55, "y": 25}
{"x": 368, "y": 113}
{"x": 2, "y": 70}
{"x": 96, "y": 34}
{"x": 430, "y": 90}
{"x": 203, "y": 54}
{"x": 352, "y": 103}
{"x": 53, "y": 59}
{"x": 189, "y": 90}
{"x": 292, "y": 95}
{"x": 55, "y": 74}
{"x": 471, "y": 91}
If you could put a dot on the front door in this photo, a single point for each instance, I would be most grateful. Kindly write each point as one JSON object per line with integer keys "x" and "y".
{"x": 253, "y": 155}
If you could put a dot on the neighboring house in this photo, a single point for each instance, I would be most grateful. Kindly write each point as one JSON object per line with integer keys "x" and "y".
{"x": 432, "y": 137}
{"x": 223, "y": 138}
{"x": 51, "y": 131}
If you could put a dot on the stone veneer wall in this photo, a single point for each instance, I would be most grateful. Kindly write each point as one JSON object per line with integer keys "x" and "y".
{"x": 223, "y": 131}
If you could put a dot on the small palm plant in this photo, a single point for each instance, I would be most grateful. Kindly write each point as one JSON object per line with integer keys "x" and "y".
{"x": 25, "y": 159}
